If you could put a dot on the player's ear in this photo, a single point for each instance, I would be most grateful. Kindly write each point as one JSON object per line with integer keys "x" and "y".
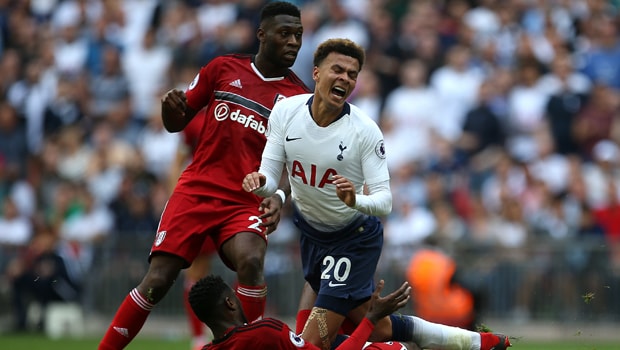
{"x": 315, "y": 73}
{"x": 260, "y": 34}
{"x": 230, "y": 303}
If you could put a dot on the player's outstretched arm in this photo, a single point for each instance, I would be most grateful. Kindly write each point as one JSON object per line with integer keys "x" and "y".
{"x": 379, "y": 308}
{"x": 384, "y": 306}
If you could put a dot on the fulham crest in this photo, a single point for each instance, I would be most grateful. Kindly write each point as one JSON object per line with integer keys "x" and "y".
{"x": 161, "y": 235}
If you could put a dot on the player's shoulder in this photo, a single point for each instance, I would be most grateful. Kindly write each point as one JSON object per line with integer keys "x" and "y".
{"x": 268, "y": 322}
{"x": 293, "y": 101}
{"x": 358, "y": 113}
{"x": 232, "y": 58}
{"x": 361, "y": 118}
{"x": 296, "y": 80}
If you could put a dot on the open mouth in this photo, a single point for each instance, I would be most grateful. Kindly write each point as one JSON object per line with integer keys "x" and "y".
{"x": 338, "y": 91}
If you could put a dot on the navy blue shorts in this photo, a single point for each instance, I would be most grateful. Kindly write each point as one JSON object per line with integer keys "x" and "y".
{"x": 340, "y": 266}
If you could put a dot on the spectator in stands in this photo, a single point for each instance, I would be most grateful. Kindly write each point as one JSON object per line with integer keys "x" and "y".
{"x": 111, "y": 156}
{"x": 15, "y": 229}
{"x": 410, "y": 115}
{"x": 10, "y": 69}
{"x": 368, "y": 95}
{"x": 339, "y": 23}
{"x": 157, "y": 146}
{"x": 13, "y": 142}
{"x": 42, "y": 273}
{"x": 107, "y": 86}
{"x": 86, "y": 227}
{"x": 456, "y": 83}
{"x": 29, "y": 96}
{"x": 125, "y": 127}
{"x": 568, "y": 92}
{"x": 70, "y": 46}
{"x": 146, "y": 67}
{"x": 527, "y": 102}
{"x": 65, "y": 109}
{"x": 596, "y": 120}
{"x": 483, "y": 132}
{"x": 600, "y": 61}
{"x": 74, "y": 155}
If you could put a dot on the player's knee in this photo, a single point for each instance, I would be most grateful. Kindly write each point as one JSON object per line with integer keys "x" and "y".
{"x": 252, "y": 262}
{"x": 154, "y": 287}
{"x": 157, "y": 282}
{"x": 251, "y": 265}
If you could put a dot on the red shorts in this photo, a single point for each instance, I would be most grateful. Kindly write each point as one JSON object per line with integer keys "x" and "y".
{"x": 390, "y": 345}
{"x": 187, "y": 221}
{"x": 208, "y": 247}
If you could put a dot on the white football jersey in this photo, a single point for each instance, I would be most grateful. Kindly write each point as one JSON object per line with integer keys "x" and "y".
{"x": 351, "y": 146}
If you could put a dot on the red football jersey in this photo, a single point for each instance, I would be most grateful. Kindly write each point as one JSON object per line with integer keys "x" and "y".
{"x": 238, "y": 101}
{"x": 191, "y": 134}
{"x": 272, "y": 334}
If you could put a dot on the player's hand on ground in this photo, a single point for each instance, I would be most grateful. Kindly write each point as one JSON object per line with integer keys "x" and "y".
{"x": 383, "y": 306}
{"x": 270, "y": 207}
{"x": 174, "y": 102}
{"x": 253, "y": 181}
{"x": 344, "y": 189}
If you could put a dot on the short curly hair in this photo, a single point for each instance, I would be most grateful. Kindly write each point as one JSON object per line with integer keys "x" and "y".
{"x": 206, "y": 295}
{"x": 279, "y": 8}
{"x": 341, "y": 46}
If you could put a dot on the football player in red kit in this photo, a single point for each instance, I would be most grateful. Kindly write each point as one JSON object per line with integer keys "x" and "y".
{"x": 234, "y": 94}
{"x": 201, "y": 266}
{"x": 216, "y": 304}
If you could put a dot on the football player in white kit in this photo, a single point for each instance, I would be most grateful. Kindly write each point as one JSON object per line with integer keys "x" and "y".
{"x": 331, "y": 150}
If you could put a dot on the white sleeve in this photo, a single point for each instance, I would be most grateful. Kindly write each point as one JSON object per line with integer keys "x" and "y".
{"x": 272, "y": 169}
{"x": 272, "y": 161}
{"x": 377, "y": 202}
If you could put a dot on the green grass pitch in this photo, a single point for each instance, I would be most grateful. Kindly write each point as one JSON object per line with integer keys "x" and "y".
{"x": 37, "y": 342}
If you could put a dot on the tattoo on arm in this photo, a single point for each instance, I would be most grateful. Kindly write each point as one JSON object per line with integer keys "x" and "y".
{"x": 320, "y": 315}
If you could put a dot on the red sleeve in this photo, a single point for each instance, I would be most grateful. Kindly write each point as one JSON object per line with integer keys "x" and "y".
{"x": 357, "y": 340}
{"x": 200, "y": 90}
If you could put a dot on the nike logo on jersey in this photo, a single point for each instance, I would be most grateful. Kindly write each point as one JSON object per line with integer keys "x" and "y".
{"x": 292, "y": 138}
{"x": 236, "y": 83}
{"x": 332, "y": 284}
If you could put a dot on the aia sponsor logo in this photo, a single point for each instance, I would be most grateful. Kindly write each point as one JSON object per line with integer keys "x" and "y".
{"x": 222, "y": 112}
{"x": 310, "y": 175}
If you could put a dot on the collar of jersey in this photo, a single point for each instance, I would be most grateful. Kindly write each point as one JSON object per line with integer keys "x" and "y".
{"x": 346, "y": 109}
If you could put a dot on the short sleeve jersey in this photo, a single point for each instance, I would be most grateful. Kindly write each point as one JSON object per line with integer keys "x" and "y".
{"x": 234, "y": 100}
{"x": 351, "y": 146}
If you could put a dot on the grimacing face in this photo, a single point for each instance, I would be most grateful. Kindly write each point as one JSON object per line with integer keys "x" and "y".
{"x": 336, "y": 78}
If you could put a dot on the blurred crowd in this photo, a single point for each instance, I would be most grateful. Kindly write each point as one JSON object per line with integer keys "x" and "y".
{"x": 501, "y": 122}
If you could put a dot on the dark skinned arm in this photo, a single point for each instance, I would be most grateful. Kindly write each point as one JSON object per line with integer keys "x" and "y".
{"x": 175, "y": 113}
